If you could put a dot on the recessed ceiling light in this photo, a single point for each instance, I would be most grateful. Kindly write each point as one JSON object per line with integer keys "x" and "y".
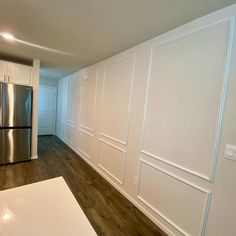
{"x": 6, "y": 216}
{"x": 8, "y": 36}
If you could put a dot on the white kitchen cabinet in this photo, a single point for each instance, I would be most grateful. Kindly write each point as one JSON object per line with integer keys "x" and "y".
{"x": 15, "y": 73}
{"x": 3, "y": 70}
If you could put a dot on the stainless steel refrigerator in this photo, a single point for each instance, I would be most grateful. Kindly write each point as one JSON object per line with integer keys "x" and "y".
{"x": 15, "y": 123}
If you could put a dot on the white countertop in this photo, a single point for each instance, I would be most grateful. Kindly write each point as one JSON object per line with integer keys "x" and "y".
{"x": 46, "y": 208}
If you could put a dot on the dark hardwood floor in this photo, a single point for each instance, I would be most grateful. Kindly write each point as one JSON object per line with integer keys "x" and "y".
{"x": 107, "y": 210}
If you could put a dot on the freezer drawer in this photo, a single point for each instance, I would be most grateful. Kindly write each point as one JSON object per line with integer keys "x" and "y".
{"x": 15, "y": 145}
{"x": 16, "y": 105}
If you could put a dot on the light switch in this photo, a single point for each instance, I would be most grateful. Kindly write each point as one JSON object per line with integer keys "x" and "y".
{"x": 230, "y": 152}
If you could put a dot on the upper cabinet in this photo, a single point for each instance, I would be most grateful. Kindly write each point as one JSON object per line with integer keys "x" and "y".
{"x": 3, "y": 71}
{"x": 15, "y": 73}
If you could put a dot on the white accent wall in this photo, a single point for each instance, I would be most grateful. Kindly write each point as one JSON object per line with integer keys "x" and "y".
{"x": 154, "y": 121}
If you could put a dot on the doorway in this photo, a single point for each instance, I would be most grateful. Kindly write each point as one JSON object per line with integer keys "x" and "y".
{"x": 47, "y": 110}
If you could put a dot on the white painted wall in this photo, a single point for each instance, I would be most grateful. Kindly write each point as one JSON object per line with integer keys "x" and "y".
{"x": 154, "y": 121}
{"x": 35, "y": 84}
{"x": 48, "y": 81}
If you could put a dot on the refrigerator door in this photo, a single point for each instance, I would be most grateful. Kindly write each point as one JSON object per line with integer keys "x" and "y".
{"x": 16, "y": 105}
{"x": 16, "y": 145}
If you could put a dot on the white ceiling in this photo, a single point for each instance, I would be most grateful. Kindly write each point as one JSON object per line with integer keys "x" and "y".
{"x": 91, "y": 29}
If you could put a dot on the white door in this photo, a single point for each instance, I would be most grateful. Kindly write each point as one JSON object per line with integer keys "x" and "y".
{"x": 47, "y": 110}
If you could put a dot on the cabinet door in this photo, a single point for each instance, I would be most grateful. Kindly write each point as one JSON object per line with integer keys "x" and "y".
{"x": 3, "y": 71}
{"x": 19, "y": 74}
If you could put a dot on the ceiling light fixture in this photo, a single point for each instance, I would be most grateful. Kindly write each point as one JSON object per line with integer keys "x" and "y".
{"x": 6, "y": 216}
{"x": 8, "y": 36}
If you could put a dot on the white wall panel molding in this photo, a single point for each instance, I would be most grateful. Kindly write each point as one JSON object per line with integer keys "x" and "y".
{"x": 62, "y": 98}
{"x": 72, "y": 93}
{"x": 85, "y": 78}
{"x": 86, "y": 132}
{"x": 117, "y": 165}
{"x": 229, "y": 24}
{"x": 69, "y": 142}
{"x": 87, "y": 128}
{"x": 229, "y": 21}
{"x": 70, "y": 123}
{"x": 84, "y": 153}
{"x": 83, "y": 143}
{"x": 180, "y": 167}
{"x": 121, "y": 138}
{"x": 70, "y": 134}
{"x": 60, "y": 127}
{"x": 119, "y": 188}
{"x": 206, "y": 195}
{"x": 113, "y": 139}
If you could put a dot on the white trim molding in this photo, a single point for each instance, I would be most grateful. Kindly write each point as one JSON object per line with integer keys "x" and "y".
{"x": 120, "y": 181}
{"x": 120, "y": 189}
{"x": 85, "y": 132}
{"x": 84, "y": 153}
{"x": 206, "y": 206}
{"x": 230, "y": 23}
{"x": 85, "y": 73}
{"x": 118, "y": 59}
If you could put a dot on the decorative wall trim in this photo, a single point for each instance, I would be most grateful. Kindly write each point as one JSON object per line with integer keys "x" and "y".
{"x": 109, "y": 173}
{"x": 62, "y": 121}
{"x": 57, "y": 129}
{"x": 104, "y": 141}
{"x": 85, "y": 127}
{"x": 81, "y": 150}
{"x": 118, "y": 59}
{"x": 74, "y": 78}
{"x": 120, "y": 189}
{"x": 69, "y": 142}
{"x": 230, "y": 22}
{"x": 207, "y": 193}
{"x": 121, "y": 181}
{"x": 85, "y": 73}
{"x": 85, "y": 132}
{"x": 71, "y": 124}
{"x": 84, "y": 153}
{"x": 113, "y": 139}
{"x": 180, "y": 167}
{"x": 59, "y": 134}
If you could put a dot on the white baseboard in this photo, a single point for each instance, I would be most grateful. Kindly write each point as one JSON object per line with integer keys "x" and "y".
{"x": 34, "y": 157}
{"x": 125, "y": 194}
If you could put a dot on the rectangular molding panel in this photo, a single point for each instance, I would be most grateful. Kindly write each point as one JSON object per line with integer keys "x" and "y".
{"x": 185, "y": 99}
{"x": 179, "y": 202}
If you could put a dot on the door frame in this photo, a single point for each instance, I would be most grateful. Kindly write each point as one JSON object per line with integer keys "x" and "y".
{"x": 54, "y": 106}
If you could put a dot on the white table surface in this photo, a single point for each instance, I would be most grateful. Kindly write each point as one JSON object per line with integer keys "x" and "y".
{"x": 46, "y": 208}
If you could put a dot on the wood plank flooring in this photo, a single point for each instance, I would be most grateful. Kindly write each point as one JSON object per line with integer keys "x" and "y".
{"x": 107, "y": 210}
